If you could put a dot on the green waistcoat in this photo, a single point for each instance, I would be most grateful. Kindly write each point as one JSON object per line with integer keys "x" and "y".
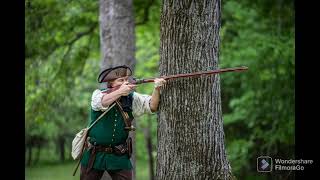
{"x": 109, "y": 131}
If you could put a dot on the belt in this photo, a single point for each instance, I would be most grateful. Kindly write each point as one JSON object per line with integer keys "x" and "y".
{"x": 117, "y": 150}
{"x": 100, "y": 148}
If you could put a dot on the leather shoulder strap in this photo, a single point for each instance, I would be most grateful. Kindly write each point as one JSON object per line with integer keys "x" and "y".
{"x": 125, "y": 117}
{"x": 123, "y": 113}
{"x": 101, "y": 116}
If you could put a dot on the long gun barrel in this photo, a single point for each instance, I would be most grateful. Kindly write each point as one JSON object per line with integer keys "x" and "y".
{"x": 217, "y": 71}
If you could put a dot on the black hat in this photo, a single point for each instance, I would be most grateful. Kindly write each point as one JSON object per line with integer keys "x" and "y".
{"x": 113, "y": 73}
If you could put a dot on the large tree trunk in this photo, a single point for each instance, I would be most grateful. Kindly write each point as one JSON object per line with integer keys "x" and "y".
{"x": 190, "y": 128}
{"x": 117, "y": 41}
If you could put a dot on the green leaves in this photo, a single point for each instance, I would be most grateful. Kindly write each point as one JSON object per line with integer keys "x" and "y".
{"x": 59, "y": 38}
{"x": 258, "y": 105}
{"x": 238, "y": 152}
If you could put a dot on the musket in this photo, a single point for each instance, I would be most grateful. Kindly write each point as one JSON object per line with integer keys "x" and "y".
{"x": 196, "y": 74}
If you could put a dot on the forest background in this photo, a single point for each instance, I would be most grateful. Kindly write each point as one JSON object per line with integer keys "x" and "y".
{"x": 62, "y": 60}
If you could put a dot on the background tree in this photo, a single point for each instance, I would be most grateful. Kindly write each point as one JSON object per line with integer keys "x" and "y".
{"x": 117, "y": 42}
{"x": 190, "y": 127}
{"x": 117, "y": 33}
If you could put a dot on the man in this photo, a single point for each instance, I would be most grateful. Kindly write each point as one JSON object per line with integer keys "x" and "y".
{"x": 109, "y": 148}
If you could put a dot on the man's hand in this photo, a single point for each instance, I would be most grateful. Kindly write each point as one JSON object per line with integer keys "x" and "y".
{"x": 126, "y": 88}
{"x": 155, "y": 98}
{"x": 158, "y": 82}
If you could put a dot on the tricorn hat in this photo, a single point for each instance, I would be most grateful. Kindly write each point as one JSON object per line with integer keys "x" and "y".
{"x": 113, "y": 73}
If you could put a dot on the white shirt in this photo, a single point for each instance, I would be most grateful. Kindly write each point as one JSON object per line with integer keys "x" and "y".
{"x": 140, "y": 104}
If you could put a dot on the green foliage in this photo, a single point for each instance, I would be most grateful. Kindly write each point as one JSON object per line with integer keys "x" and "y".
{"x": 60, "y": 37}
{"x": 147, "y": 44}
{"x": 147, "y": 57}
{"x": 238, "y": 151}
{"x": 258, "y": 105}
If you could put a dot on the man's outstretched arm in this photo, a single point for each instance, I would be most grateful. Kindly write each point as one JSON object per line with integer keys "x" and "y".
{"x": 155, "y": 98}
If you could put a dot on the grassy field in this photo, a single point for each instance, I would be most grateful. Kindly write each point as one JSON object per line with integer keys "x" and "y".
{"x": 64, "y": 172}
{"x": 51, "y": 172}
{"x": 55, "y": 171}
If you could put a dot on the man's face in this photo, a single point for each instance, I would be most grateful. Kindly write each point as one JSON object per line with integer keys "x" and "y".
{"x": 119, "y": 81}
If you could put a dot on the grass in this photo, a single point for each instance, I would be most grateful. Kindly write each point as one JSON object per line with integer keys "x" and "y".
{"x": 52, "y": 172}
{"x": 63, "y": 171}
{"x": 142, "y": 170}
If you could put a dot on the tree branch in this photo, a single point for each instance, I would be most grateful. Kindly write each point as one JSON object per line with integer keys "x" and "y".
{"x": 69, "y": 43}
{"x": 81, "y": 34}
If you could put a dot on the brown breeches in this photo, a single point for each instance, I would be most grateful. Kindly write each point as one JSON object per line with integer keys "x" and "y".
{"x": 95, "y": 174}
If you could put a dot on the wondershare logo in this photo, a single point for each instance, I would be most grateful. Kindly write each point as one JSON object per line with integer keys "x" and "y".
{"x": 264, "y": 164}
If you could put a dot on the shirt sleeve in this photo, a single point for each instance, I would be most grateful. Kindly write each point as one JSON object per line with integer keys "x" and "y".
{"x": 96, "y": 101}
{"x": 141, "y": 104}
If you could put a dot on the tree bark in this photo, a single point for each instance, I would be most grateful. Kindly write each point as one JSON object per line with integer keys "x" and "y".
{"x": 117, "y": 42}
{"x": 60, "y": 144}
{"x": 29, "y": 155}
{"x": 190, "y": 128}
{"x": 117, "y": 33}
{"x": 38, "y": 146}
